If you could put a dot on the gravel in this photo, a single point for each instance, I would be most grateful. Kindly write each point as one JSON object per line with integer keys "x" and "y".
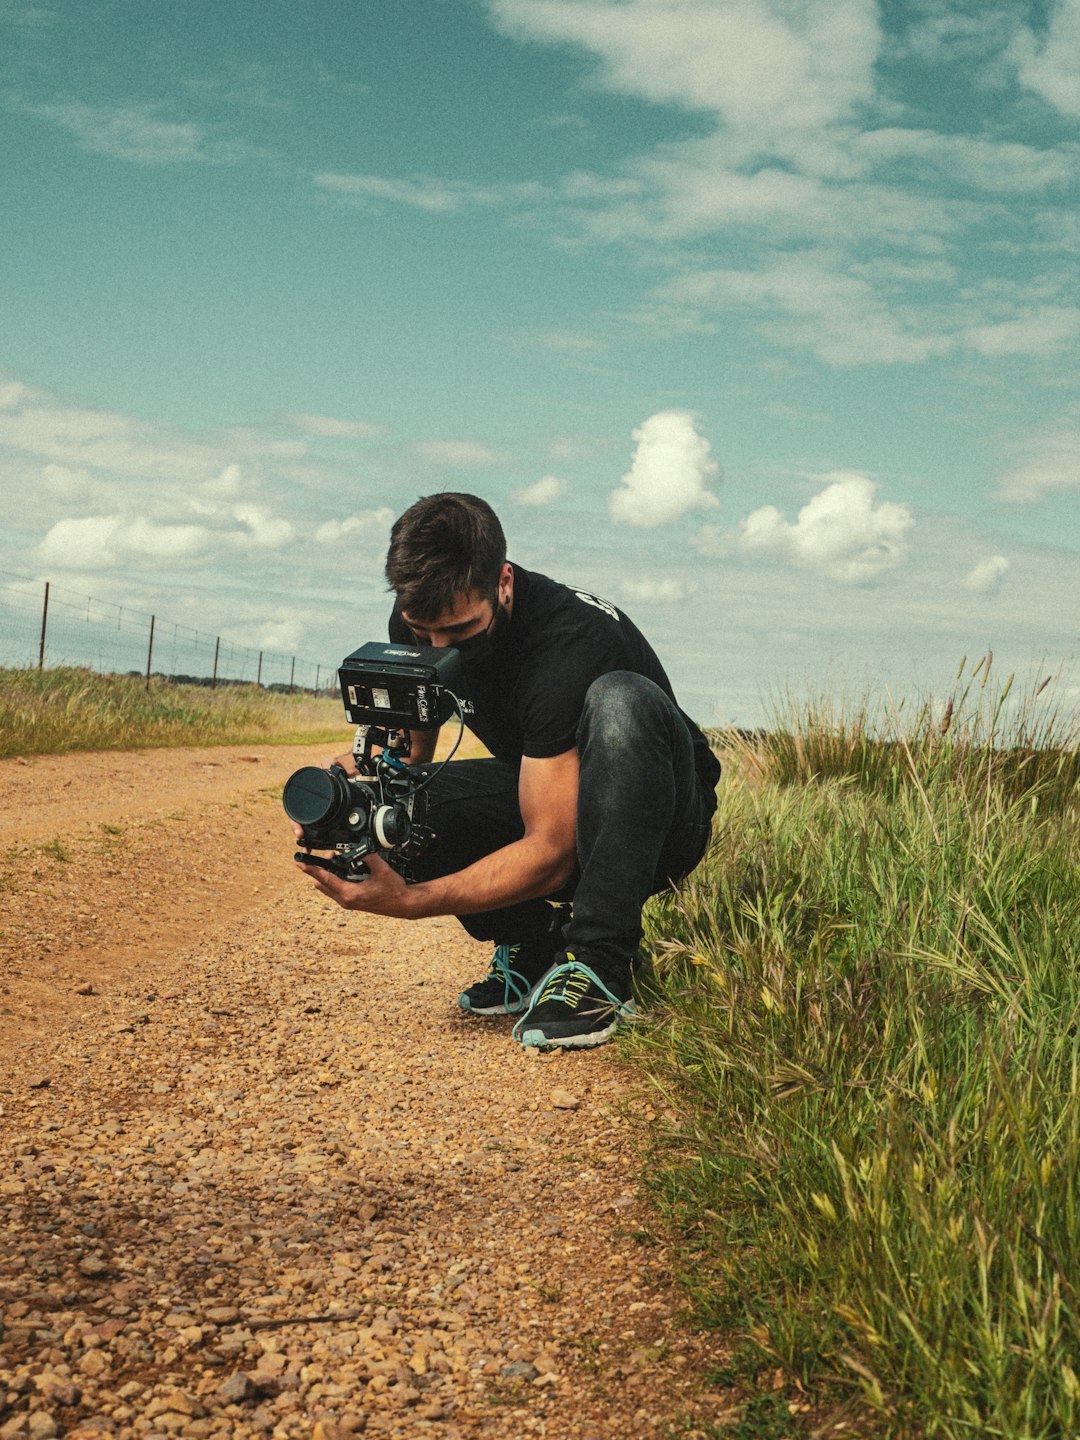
{"x": 266, "y": 1179}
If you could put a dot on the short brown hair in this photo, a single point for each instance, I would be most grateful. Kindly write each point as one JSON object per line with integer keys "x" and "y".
{"x": 443, "y": 547}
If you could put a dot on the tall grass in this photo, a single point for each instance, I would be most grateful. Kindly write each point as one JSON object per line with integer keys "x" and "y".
{"x": 62, "y": 710}
{"x": 868, "y": 1027}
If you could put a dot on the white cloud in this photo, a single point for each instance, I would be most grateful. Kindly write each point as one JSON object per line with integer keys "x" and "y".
{"x": 97, "y": 542}
{"x": 765, "y": 63}
{"x": 878, "y": 311}
{"x": 1050, "y": 463}
{"x": 544, "y": 492}
{"x": 1038, "y": 332}
{"x": 987, "y": 575}
{"x": 284, "y": 634}
{"x": 133, "y": 133}
{"x": 66, "y": 484}
{"x": 264, "y": 530}
{"x": 652, "y": 591}
{"x": 813, "y": 300}
{"x": 669, "y": 474}
{"x": 841, "y": 531}
{"x": 459, "y": 454}
{"x": 940, "y": 34}
{"x": 425, "y": 192}
{"x": 368, "y": 525}
{"x": 13, "y": 394}
{"x": 226, "y": 484}
{"x": 1049, "y": 63}
{"x": 991, "y": 165}
{"x": 337, "y": 429}
{"x": 38, "y": 424}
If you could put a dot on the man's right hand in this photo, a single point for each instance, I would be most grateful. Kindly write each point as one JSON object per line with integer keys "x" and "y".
{"x": 347, "y": 763}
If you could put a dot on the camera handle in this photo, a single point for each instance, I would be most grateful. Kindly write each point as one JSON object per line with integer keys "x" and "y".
{"x": 339, "y": 866}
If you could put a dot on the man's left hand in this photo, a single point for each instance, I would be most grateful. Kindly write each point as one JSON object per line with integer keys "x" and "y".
{"x": 384, "y": 892}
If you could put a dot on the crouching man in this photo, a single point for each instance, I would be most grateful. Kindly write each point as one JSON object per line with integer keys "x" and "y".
{"x": 599, "y": 794}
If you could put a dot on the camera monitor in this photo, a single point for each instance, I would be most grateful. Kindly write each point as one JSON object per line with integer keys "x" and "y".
{"x": 400, "y": 687}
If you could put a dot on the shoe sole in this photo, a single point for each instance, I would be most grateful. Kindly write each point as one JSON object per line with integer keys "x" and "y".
{"x": 486, "y": 1010}
{"x": 538, "y": 1040}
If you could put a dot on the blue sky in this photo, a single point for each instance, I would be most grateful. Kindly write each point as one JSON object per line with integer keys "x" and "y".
{"x": 760, "y": 318}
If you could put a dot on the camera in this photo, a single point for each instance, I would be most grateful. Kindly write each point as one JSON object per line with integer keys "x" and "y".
{"x": 388, "y": 691}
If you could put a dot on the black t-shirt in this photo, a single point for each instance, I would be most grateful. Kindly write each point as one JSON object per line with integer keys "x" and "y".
{"x": 527, "y": 698}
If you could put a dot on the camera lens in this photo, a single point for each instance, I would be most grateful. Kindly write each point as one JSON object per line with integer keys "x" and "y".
{"x": 312, "y": 795}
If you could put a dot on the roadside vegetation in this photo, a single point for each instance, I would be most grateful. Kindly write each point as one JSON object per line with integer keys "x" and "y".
{"x": 54, "y": 712}
{"x": 866, "y": 1037}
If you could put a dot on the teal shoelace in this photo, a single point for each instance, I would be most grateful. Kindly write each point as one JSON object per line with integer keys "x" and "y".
{"x": 569, "y": 983}
{"x": 515, "y": 986}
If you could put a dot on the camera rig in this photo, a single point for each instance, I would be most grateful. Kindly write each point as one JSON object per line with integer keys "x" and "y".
{"x": 388, "y": 691}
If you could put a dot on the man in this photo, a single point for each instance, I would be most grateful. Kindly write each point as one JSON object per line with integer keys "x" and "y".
{"x": 601, "y": 791}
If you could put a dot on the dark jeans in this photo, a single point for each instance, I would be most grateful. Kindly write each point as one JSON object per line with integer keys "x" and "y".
{"x": 643, "y": 822}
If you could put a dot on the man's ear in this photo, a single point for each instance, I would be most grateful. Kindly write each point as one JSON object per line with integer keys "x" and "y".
{"x": 506, "y": 584}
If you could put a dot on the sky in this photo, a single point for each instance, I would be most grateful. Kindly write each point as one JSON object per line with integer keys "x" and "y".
{"x": 758, "y": 318}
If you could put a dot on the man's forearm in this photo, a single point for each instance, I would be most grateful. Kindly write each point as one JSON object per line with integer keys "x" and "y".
{"x": 527, "y": 870}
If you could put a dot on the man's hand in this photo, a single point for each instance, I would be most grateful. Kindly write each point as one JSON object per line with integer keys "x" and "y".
{"x": 384, "y": 892}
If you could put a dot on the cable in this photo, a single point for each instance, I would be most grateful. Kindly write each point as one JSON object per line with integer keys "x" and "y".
{"x": 457, "y": 742}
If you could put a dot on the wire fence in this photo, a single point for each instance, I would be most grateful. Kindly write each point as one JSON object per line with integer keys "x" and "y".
{"x": 43, "y": 625}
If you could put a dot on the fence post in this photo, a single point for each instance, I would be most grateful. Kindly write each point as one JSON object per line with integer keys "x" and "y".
{"x": 258, "y": 677}
{"x": 292, "y": 675}
{"x": 44, "y": 620}
{"x": 150, "y": 652}
{"x": 217, "y": 647}
{"x": 315, "y": 692}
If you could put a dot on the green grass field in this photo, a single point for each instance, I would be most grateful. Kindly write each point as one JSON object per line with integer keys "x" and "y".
{"x": 866, "y": 1037}
{"x": 53, "y": 712}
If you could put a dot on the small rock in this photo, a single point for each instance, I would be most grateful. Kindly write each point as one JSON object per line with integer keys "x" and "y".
{"x": 272, "y": 1364}
{"x": 85, "y": 988}
{"x": 519, "y": 1370}
{"x": 222, "y": 1314}
{"x": 564, "y": 1100}
{"x": 41, "y": 1426}
{"x": 236, "y": 1389}
{"x": 57, "y": 1389}
{"x": 39, "y": 1082}
{"x": 93, "y": 1266}
{"x": 174, "y": 1402}
{"x": 94, "y": 1363}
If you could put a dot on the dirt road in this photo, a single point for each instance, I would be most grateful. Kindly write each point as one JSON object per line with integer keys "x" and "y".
{"x": 261, "y": 1177}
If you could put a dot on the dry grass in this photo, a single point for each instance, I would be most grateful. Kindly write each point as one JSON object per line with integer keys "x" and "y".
{"x": 57, "y": 711}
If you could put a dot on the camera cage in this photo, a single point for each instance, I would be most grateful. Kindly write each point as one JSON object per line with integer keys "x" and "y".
{"x": 388, "y": 691}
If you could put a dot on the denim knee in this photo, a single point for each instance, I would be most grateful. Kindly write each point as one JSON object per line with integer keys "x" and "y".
{"x": 620, "y": 707}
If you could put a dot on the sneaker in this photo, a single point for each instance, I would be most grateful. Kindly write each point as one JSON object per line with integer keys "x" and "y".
{"x": 516, "y": 970}
{"x": 511, "y": 978}
{"x": 573, "y": 1008}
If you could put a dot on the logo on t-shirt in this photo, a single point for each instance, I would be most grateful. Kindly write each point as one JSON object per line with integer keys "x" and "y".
{"x": 604, "y": 605}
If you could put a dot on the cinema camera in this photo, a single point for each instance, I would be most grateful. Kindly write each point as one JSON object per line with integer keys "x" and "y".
{"x": 388, "y": 691}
